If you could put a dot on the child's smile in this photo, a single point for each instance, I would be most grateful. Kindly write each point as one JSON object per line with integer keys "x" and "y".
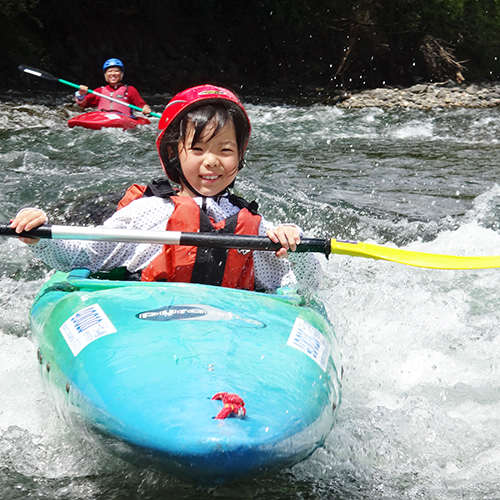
{"x": 209, "y": 166}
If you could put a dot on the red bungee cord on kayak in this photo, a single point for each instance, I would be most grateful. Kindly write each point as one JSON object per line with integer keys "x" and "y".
{"x": 233, "y": 405}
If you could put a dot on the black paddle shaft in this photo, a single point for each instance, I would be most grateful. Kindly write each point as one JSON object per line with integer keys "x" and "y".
{"x": 213, "y": 240}
{"x": 251, "y": 242}
{"x": 44, "y": 232}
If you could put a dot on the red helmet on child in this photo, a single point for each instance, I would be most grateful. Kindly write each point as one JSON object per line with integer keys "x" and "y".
{"x": 186, "y": 101}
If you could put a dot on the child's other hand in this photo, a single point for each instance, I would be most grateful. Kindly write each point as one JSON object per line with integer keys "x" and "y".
{"x": 287, "y": 236}
{"x": 28, "y": 219}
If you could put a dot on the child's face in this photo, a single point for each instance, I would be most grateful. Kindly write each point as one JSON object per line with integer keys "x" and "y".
{"x": 209, "y": 166}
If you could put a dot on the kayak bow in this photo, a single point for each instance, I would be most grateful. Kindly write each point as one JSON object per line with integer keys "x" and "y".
{"x": 145, "y": 370}
{"x": 96, "y": 120}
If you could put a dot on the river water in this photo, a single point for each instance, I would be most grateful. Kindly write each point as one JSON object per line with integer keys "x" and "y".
{"x": 420, "y": 414}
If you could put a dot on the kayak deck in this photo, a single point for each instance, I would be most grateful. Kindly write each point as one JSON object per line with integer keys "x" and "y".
{"x": 97, "y": 120}
{"x": 135, "y": 366}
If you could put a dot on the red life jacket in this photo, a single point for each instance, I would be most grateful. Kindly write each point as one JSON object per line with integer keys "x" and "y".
{"x": 120, "y": 93}
{"x": 231, "y": 268}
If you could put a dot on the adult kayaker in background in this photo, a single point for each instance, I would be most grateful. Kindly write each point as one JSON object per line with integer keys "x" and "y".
{"x": 113, "y": 74}
{"x": 203, "y": 134}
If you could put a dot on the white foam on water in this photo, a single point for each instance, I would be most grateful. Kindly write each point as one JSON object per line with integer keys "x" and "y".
{"x": 420, "y": 413}
{"x": 17, "y": 117}
{"x": 413, "y": 130}
{"x": 421, "y": 348}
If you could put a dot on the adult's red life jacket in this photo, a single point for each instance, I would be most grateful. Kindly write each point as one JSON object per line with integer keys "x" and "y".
{"x": 121, "y": 93}
{"x": 231, "y": 268}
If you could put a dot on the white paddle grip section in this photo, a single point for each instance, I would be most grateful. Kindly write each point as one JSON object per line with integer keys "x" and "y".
{"x": 123, "y": 235}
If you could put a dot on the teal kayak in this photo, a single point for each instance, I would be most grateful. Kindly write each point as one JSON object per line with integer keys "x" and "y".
{"x": 206, "y": 383}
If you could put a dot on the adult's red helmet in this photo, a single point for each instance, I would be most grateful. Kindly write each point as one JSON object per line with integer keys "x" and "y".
{"x": 185, "y": 102}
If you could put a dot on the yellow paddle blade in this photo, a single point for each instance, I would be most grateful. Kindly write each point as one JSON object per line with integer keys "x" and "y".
{"x": 410, "y": 258}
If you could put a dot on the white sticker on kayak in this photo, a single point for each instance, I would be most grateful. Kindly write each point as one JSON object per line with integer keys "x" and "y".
{"x": 85, "y": 326}
{"x": 310, "y": 341}
{"x": 112, "y": 116}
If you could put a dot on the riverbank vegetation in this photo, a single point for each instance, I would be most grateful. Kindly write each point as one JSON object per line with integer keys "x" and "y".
{"x": 292, "y": 45}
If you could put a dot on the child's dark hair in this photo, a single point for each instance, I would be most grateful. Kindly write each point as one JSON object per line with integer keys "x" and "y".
{"x": 200, "y": 118}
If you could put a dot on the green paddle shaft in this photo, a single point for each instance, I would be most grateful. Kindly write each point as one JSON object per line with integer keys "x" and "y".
{"x": 137, "y": 108}
{"x": 48, "y": 76}
{"x": 325, "y": 246}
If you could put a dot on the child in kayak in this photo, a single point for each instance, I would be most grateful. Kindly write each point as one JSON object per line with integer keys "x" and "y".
{"x": 113, "y": 73}
{"x": 203, "y": 134}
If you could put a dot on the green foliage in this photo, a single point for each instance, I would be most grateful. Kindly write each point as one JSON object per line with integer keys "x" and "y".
{"x": 282, "y": 43}
{"x": 11, "y": 8}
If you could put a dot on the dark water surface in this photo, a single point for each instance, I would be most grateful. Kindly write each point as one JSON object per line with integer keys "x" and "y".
{"x": 420, "y": 416}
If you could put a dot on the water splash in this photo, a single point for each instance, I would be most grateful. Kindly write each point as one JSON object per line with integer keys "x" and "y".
{"x": 420, "y": 410}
